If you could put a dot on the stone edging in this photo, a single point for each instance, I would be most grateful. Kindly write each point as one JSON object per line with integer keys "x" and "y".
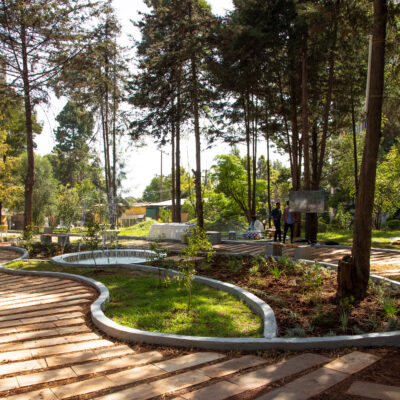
{"x": 239, "y": 344}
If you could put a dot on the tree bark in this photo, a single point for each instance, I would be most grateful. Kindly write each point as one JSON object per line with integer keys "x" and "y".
{"x": 305, "y": 133}
{"x": 30, "y": 176}
{"x": 178, "y": 152}
{"x": 248, "y": 162}
{"x": 365, "y": 200}
{"x": 173, "y": 188}
{"x": 353, "y": 126}
{"x": 195, "y": 103}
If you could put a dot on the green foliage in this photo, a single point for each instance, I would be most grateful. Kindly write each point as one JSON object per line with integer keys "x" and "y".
{"x": 197, "y": 242}
{"x": 165, "y": 215}
{"x": 45, "y": 189}
{"x": 68, "y": 205}
{"x": 390, "y": 307}
{"x": 156, "y": 257}
{"x": 345, "y": 307}
{"x": 11, "y": 188}
{"x": 72, "y": 160}
{"x": 276, "y": 271}
{"x": 254, "y": 270}
{"x": 235, "y": 265}
{"x": 91, "y": 239}
{"x": 140, "y": 229}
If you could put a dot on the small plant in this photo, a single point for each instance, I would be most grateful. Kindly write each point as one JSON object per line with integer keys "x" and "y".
{"x": 235, "y": 265}
{"x": 297, "y": 331}
{"x": 197, "y": 242}
{"x": 276, "y": 272}
{"x": 253, "y": 271}
{"x": 28, "y": 233}
{"x": 158, "y": 253}
{"x": 288, "y": 262}
{"x": 392, "y": 325}
{"x": 260, "y": 261}
{"x": 92, "y": 240}
{"x": 390, "y": 307}
{"x": 345, "y": 307}
{"x": 372, "y": 321}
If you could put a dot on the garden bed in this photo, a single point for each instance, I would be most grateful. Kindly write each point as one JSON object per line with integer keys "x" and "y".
{"x": 138, "y": 300}
{"x": 303, "y": 297}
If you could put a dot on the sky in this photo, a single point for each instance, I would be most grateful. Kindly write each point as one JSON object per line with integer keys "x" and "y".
{"x": 143, "y": 163}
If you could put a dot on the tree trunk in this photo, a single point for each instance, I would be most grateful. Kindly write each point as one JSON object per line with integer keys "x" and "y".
{"x": 248, "y": 165}
{"x": 305, "y": 133}
{"x": 195, "y": 103}
{"x": 355, "y": 158}
{"x": 365, "y": 200}
{"x": 254, "y": 158}
{"x": 312, "y": 218}
{"x": 30, "y": 176}
{"x": 178, "y": 152}
{"x": 296, "y": 159}
{"x": 268, "y": 179}
{"x": 173, "y": 172}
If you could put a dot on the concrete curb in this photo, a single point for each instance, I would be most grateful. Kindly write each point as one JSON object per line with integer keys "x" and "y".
{"x": 238, "y": 344}
{"x": 338, "y": 246}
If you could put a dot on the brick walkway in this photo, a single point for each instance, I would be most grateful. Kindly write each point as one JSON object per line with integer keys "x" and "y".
{"x": 49, "y": 350}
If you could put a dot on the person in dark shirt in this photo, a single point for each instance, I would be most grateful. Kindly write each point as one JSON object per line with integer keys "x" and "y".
{"x": 276, "y": 214}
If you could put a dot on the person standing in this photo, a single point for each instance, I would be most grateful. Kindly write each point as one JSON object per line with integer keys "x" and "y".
{"x": 288, "y": 220}
{"x": 276, "y": 214}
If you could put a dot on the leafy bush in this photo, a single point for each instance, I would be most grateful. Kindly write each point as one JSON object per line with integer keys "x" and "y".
{"x": 393, "y": 224}
{"x": 140, "y": 229}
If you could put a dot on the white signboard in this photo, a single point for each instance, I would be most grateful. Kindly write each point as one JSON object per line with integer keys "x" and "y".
{"x": 307, "y": 201}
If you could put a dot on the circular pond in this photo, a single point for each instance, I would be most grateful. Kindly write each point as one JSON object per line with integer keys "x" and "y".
{"x": 104, "y": 257}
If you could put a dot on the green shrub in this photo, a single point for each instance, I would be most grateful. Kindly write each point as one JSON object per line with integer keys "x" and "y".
{"x": 393, "y": 224}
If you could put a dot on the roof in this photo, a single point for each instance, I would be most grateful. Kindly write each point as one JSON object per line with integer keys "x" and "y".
{"x": 167, "y": 203}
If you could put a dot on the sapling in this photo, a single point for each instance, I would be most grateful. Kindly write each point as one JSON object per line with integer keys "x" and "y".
{"x": 197, "y": 242}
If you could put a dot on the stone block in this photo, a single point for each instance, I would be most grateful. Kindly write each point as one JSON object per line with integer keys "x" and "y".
{"x": 232, "y": 235}
{"x": 274, "y": 249}
{"x": 303, "y": 253}
{"x": 214, "y": 237}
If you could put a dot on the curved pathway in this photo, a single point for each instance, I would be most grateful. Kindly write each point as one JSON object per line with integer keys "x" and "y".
{"x": 50, "y": 350}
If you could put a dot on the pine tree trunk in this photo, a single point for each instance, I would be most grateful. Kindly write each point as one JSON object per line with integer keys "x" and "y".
{"x": 178, "y": 154}
{"x": 305, "y": 133}
{"x": 30, "y": 176}
{"x": 173, "y": 194}
{"x": 361, "y": 251}
{"x": 353, "y": 126}
{"x": 254, "y": 161}
{"x": 268, "y": 181}
{"x": 295, "y": 156}
{"x": 195, "y": 103}
{"x": 248, "y": 165}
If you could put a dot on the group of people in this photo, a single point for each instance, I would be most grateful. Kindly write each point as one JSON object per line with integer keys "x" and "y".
{"x": 256, "y": 226}
{"x": 288, "y": 220}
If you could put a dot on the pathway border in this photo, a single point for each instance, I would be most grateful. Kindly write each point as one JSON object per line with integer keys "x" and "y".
{"x": 238, "y": 344}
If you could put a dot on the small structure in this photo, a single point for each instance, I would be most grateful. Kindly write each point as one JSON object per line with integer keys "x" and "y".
{"x": 153, "y": 209}
{"x": 134, "y": 215}
{"x": 171, "y": 231}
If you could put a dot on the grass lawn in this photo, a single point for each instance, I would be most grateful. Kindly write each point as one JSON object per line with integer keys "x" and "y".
{"x": 345, "y": 237}
{"x": 140, "y": 229}
{"x": 136, "y": 301}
